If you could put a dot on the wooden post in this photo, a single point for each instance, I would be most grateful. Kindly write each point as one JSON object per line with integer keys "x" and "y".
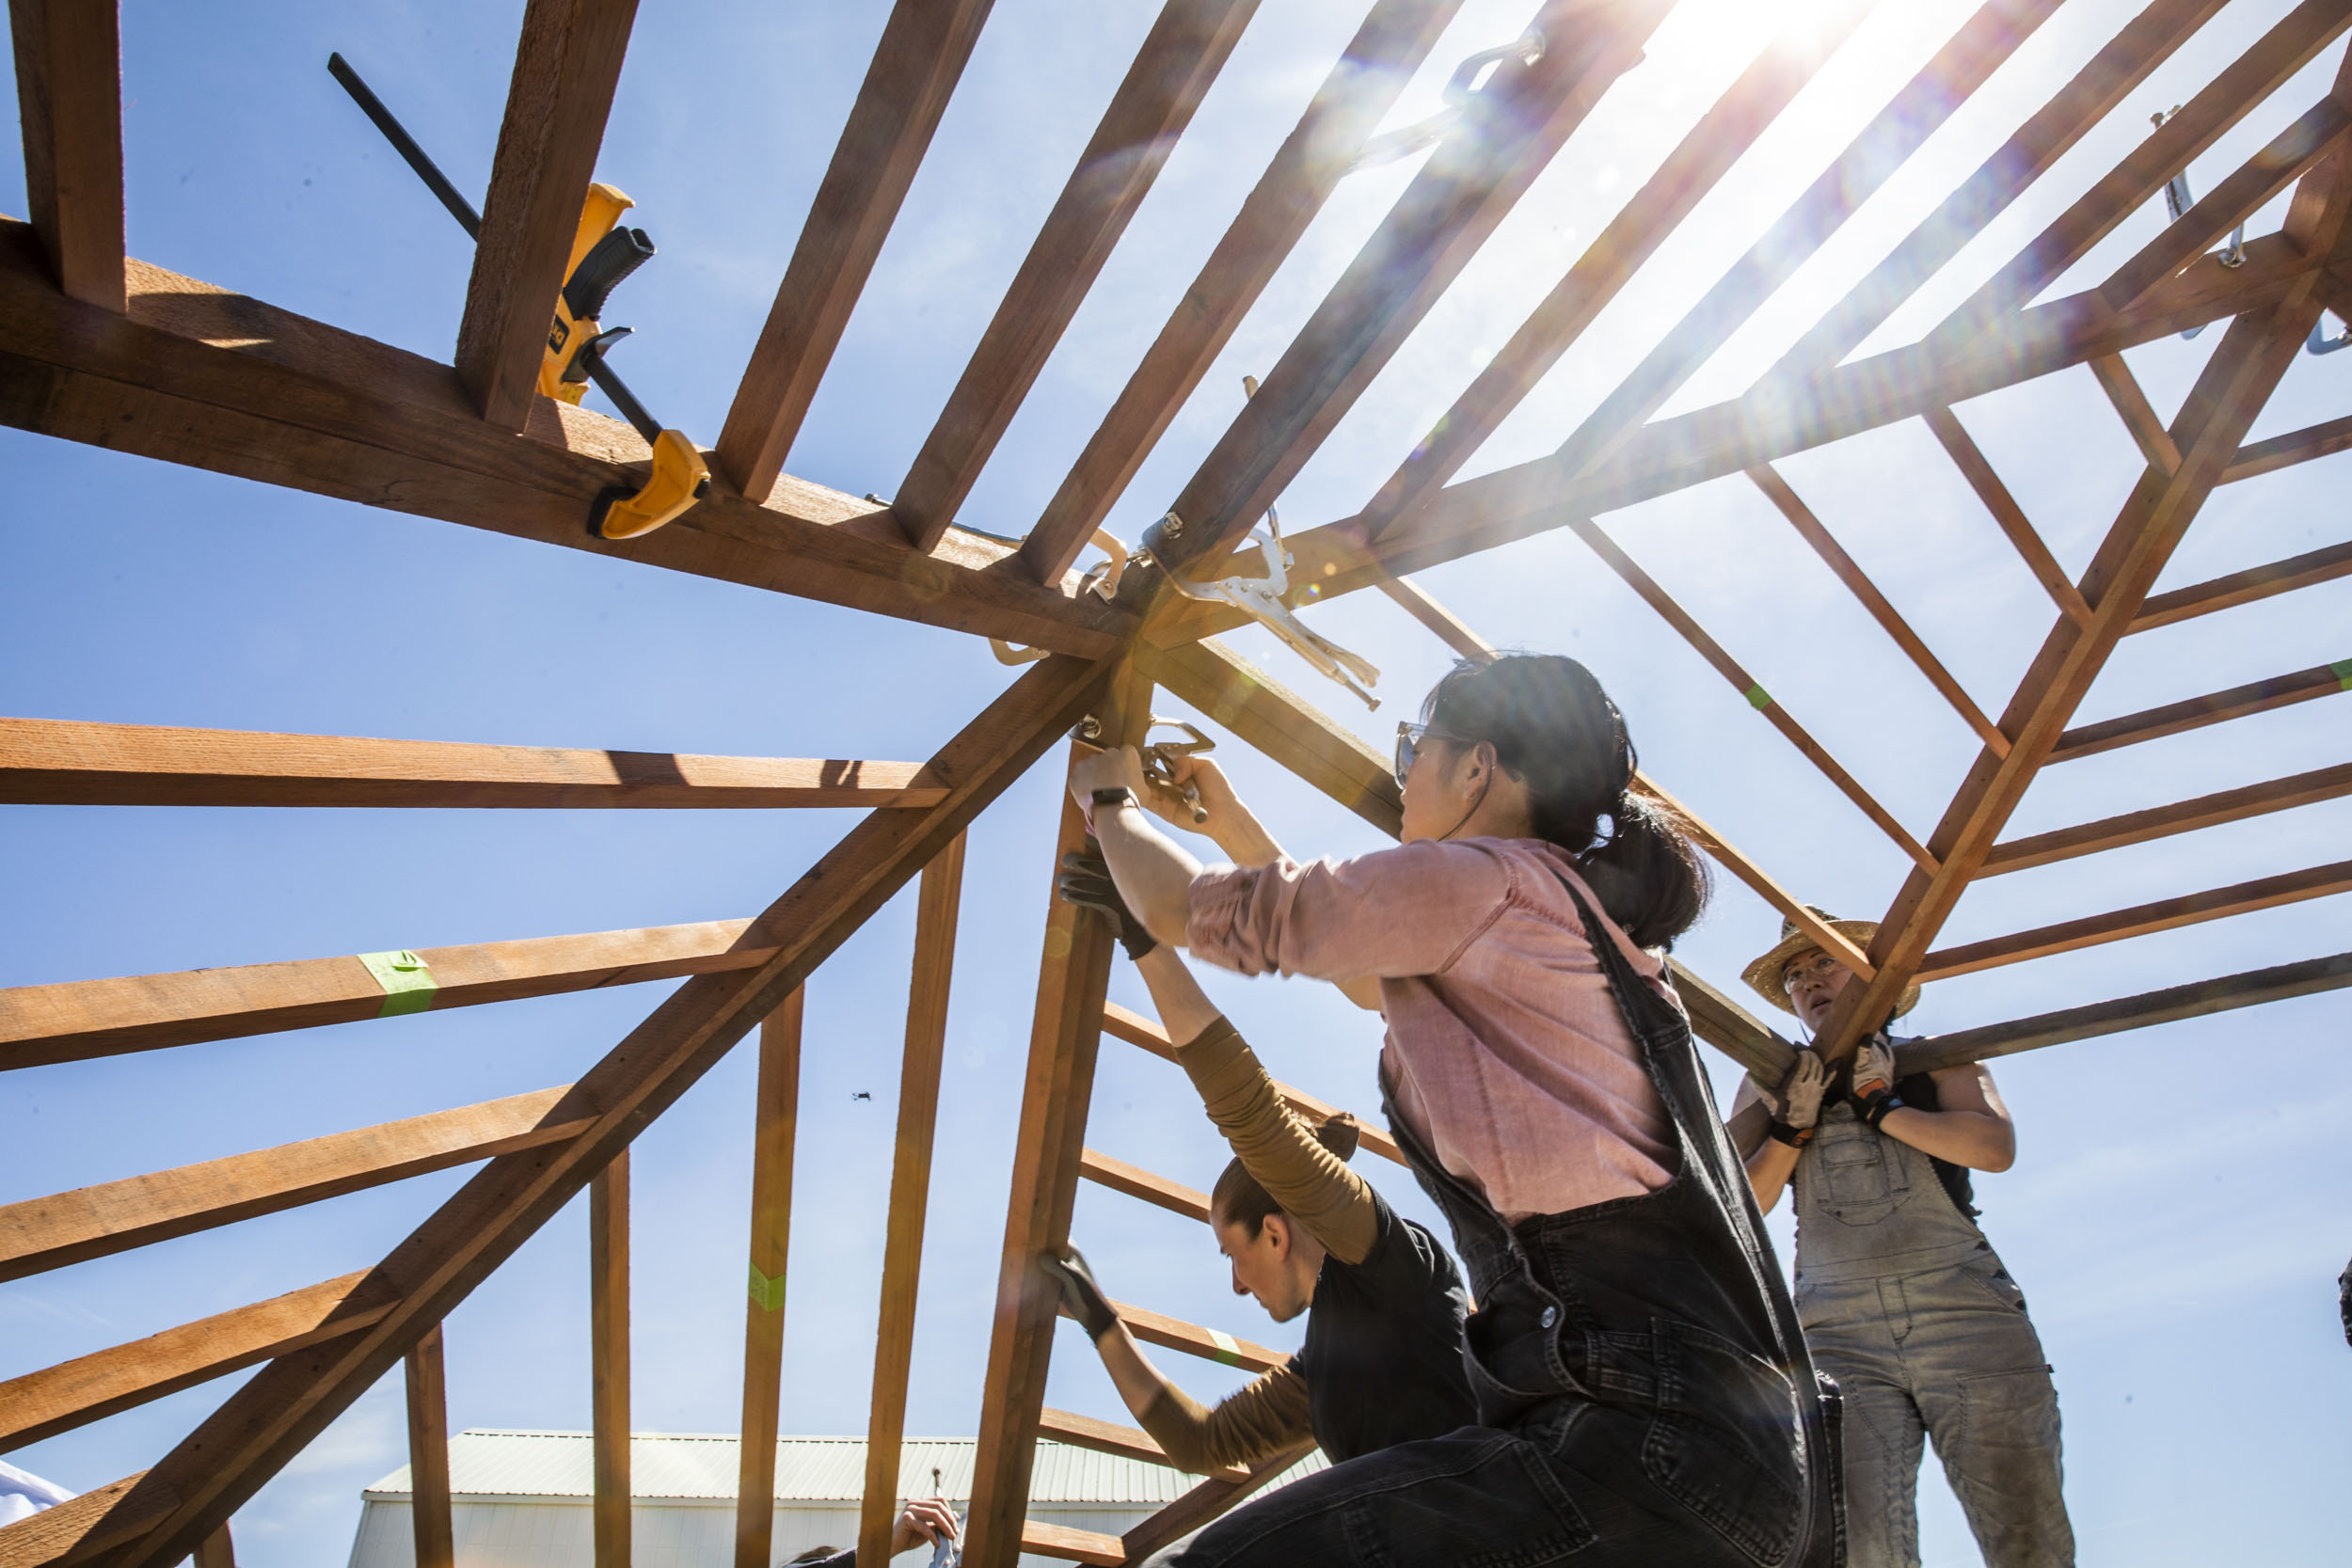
{"x": 68, "y": 89}
{"x": 217, "y": 1551}
{"x": 910, "y": 1193}
{"x": 778, "y": 1104}
{"x": 428, "y": 1455}
{"x": 608, "y": 1338}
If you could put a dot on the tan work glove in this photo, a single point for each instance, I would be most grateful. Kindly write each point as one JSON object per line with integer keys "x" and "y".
{"x": 1797, "y": 1103}
{"x": 1874, "y": 1080}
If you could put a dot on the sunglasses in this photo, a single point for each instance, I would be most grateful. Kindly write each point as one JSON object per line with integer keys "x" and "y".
{"x": 1408, "y": 741}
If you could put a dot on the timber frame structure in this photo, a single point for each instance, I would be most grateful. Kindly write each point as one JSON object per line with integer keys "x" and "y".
{"x": 99, "y": 348}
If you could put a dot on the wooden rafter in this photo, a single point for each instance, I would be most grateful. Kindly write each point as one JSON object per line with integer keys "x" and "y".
{"x": 2015, "y": 525}
{"x": 68, "y": 91}
{"x": 776, "y": 1104}
{"x": 2138, "y": 826}
{"x": 2246, "y": 587}
{"x": 2283, "y": 451}
{"x": 1204, "y": 1502}
{"x": 62, "y": 762}
{"x": 1085, "y": 1432}
{"x": 2140, "y": 417}
{"x": 1191, "y": 1338}
{"x": 1180, "y": 59}
{"x": 1120, "y": 1177}
{"x": 611, "y": 1496}
{"x": 2130, "y": 729}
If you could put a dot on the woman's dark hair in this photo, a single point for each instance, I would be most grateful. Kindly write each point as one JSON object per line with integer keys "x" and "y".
{"x": 1237, "y": 1199}
{"x": 1554, "y": 728}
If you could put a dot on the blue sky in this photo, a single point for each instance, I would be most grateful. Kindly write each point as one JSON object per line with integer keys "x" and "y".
{"x": 2177, "y": 1214}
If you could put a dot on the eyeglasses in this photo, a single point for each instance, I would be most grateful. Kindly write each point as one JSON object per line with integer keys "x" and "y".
{"x": 1409, "y": 739}
{"x": 1819, "y": 966}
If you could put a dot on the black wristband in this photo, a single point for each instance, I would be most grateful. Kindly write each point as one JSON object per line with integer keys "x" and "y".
{"x": 1875, "y": 1108}
{"x": 1795, "y": 1137}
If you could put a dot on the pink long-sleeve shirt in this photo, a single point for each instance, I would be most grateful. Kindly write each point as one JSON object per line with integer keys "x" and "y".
{"x": 1506, "y": 1055}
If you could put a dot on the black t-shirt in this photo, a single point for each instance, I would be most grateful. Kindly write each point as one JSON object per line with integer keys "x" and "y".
{"x": 1918, "y": 1092}
{"x": 1383, "y": 1354}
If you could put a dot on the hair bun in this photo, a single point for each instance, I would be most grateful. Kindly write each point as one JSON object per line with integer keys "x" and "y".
{"x": 1339, "y": 1133}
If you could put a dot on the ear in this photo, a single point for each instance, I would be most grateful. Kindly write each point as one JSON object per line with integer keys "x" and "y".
{"x": 1276, "y": 1235}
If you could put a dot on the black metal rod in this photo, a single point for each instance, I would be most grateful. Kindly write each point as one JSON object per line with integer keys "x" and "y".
{"x": 459, "y": 208}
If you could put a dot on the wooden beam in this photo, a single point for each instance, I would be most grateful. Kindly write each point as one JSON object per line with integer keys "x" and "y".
{"x": 2130, "y": 729}
{"x": 1701, "y": 159}
{"x": 69, "y": 95}
{"x": 1731, "y": 1029}
{"x": 277, "y": 1412}
{"x": 1983, "y": 42}
{"x": 1209, "y": 1344}
{"x": 1437, "y": 618}
{"x": 2138, "y": 826}
{"x": 1071, "y": 1545}
{"x": 2018, "y": 529}
{"x": 566, "y": 67}
{"x": 607, "y": 1351}
{"x": 2255, "y": 583}
{"x": 1085, "y": 1432}
{"x": 1211, "y": 1498}
{"x": 2324, "y": 439}
{"x": 2264, "y": 892}
{"x": 2155, "y": 443}
{"x": 1138, "y": 1030}
{"x": 78, "y": 1020}
{"x": 1761, "y": 882}
{"x": 43, "y": 1233}
{"x": 775, "y": 1115}
{"x": 89, "y": 1388}
{"x": 428, "y": 1455}
{"x": 81, "y": 1527}
{"x": 1073, "y": 975}
{"x": 1136, "y": 1182}
{"x": 201, "y": 376}
{"x": 1171, "y": 73}
{"x": 1847, "y": 571}
{"x": 940, "y": 899}
{"x": 67, "y": 762}
{"x": 916, "y": 67}
{"x": 2240, "y": 193}
{"x": 2089, "y": 97}
{"x": 2290, "y": 44}
{"x": 2173, "y": 1003}
{"x": 1395, "y": 38}
{"x": 1519, "y": 120}
{"x": 218, "y": 1550}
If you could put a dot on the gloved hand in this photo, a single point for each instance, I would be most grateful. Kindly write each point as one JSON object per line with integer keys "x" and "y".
{"x": 1874, "y": 1080}
{"x": 1085, "y": 1298}
{"x": 1085, "y": 881}
{"x": 1797, "y": 1103}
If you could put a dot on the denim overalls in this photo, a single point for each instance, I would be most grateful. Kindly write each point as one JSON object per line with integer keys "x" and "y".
{"x": 1643, "y": 1391}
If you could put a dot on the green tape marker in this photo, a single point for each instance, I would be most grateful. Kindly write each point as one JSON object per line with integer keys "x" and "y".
{"x": 1759, "y": 698}
{"x": 767, "y": 1294}
{"x": 408, "y": 983}
{"x": 2342, "y": 668}
{"x": 1228, "y": 1348}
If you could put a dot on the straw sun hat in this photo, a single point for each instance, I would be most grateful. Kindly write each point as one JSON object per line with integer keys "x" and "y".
{"x": 1764, "y": 976}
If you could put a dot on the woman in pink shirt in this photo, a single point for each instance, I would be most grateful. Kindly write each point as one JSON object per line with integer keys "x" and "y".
{"x": 1643, "y": 1390}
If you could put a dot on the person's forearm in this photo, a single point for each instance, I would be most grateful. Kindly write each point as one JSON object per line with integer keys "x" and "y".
{"x": 1244, "y": 838}
{"x": 1184, "y": 1009}
{"x": 1769, "y": 1163}
{"x": 1154, "y": 874}
{"x": 1969, "y": 1138}
{"x": 1138, "y": 1382}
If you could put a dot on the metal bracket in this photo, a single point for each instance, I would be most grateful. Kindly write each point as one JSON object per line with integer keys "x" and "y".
{"x": 1468, "y": 78}
{"x": 2178, "y": 199}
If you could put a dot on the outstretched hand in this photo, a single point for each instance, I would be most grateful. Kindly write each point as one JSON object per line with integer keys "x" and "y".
{"x": 1797, "y": 1102}
{"x": 1080, "y": 1293}
{"x": 1116, "y": 768}
{"x": 926, "y": 1522}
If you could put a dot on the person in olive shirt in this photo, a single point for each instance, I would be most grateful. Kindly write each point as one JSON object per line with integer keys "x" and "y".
{"x": 1382, "y": 1361}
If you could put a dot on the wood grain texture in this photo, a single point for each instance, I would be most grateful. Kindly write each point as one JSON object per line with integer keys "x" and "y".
{"x": 921, "y": 56}
{"x": 1179, "y": 60}
{"x": 566, "y": 67}
{"x": 1120, "y": 1177}
{"x": 2015, "y": 525}
{"x": 218, "y": 1550}
{"x": 68, "y": 96}
{"x": 430, "y": 1521}
{"x": 2140, "y": 417}
{"x": 81, "y": 1528}
{"x": 1209, "y": 1344}
{"x": 43, "y": 1233}
{"x": 68, "y": 761}
{"x": 776, "y": 1117}
{"x": 2247, "y": 587}
{"x": 2139, "y": 826}
{"x": 608, "y": 1361}
{"x": 2258, "y": 458}
{"x": 2195, "y": 713}
{"x": 1085, "y": 1432}
{"x": 1731, "y": 1029}
{"x": 1070, "y": 1545}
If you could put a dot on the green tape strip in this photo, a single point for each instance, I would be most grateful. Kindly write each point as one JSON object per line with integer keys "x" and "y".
{"x": 2342, "y": 668}
{"x": 408, "y": 985}
{"x": 1759, "y": 698}
{"x": 767, "y": 1294}
{"x": 1228, "y": 1348}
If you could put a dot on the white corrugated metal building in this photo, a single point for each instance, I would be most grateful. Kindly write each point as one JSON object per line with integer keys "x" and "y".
{"x": 520, "y": 1499}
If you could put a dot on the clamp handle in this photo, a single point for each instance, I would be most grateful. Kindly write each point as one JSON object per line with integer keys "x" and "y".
{"x": 606, "y": 266}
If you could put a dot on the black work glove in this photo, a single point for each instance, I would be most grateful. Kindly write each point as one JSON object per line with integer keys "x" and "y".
{"x": 1085, "y": 1298}
{"x": 1085, "y": 881}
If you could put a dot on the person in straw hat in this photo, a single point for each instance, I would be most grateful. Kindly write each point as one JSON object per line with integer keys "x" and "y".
{"x": 1902, "y": 1299}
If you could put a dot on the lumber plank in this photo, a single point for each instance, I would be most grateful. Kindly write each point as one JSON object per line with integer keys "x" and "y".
{"x": 2195, "y": 1000}
{"x": 2257, "y": 458}
{"x": 2138, "y": 826}
{"x": 281, "y": 1407}
{"x": 1085, "y": 1432}
{"x": 1059, "y": 1086}
{"x": 217, "y": 1550}
{"x": 2120, "y": 66}
{"x": 1518, "y": 120}
{"x": 2011, "y": 518}
{"x": 1138, "y": 1030}
{"x": 1450, "y": 629}
{"x": 2164, "y": 914}
{"x": 77, "y": 1019}
{"x": 1395, "y": 38}
{"x": 1210, "y": 1344}
{"x": 567, "y": 65}
{"x": 1136, "y": 1182}
{"x": 74, "y": 1393}
{"x": 430, "y": 1521}
{"x": 2130, "y": 729}
{"x": 73, "y": 762}
{"x": 1730, "y": 1028}
{"x": 609, "y": 1362}
{"x": 1180, "y": 58}
{"x": 1211, "y": 1498}
{"x": 81, "y": 1528}
{"x": 43, "y": 1234}
{"x": 2155, "y": 443}
{"x": 1722, "y": 134}
{"x": 916, "y": 67}
{"x": 938, "y": 901}
{"x": 69, "y": 94}
{"x": 202, "y": 376}
{"x": 2255, "y": 583}
{"x": 776, "y": 1115}
{"x": 1070, "y": 1545}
